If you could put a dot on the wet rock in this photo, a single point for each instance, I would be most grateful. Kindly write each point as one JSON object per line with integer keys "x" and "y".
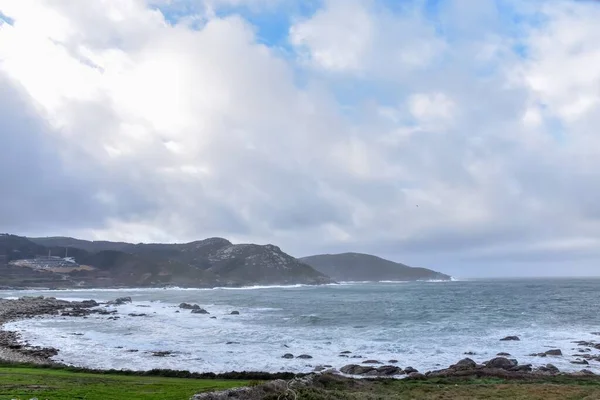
{"x": 187, "y": 306}
{"x": 235, "y": 313}
{"x": 161, "y": 353}
{"x": 120, "y": 301}
{"x": 137, "y": 315}
{"x": 502, "y": 354}
{"x": 393, "y": 361}
{"x": 389, "y": 370}
{"x": 288, "y": 356}
{"x": 470, "y": 353}
{"x": 371, "y": 362}
{"x": 304, "y": 356}
{"x": 213, "y": 317}
{"x": 416, "y": 375}
{"x": 549, "y": 368}
{"x": 232, "y": 343}
{"x": 354, "y": 369}
{"x": 580, "y": 362}
{"x": 410, "y": 370}
{"x": 554, "y": 352}
{"x": 132, "y": 351}
{"x": 199, "y": 311}
{"x": 510, "y": 338}
{"x": 501, "y": 363}
{"x": 346, "y": 352}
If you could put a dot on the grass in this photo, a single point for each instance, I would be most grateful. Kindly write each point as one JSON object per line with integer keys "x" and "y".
{"x": 465, "y": 389}
{"x": 26, "y": 383}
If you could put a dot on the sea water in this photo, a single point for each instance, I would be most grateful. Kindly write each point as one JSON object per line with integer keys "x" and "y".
{"x": 426, "y": 325}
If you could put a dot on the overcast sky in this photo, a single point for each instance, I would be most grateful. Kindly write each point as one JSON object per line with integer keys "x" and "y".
{"x": 460, "y": 135}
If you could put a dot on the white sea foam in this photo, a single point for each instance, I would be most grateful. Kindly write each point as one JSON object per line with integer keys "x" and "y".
{"x": 368, "y": 320}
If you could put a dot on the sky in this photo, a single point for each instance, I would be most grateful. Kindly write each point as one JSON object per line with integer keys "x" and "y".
{"x": 459, "y": 135}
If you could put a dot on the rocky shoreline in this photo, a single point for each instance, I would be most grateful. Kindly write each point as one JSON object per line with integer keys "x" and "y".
{"x": 13, "y": 349}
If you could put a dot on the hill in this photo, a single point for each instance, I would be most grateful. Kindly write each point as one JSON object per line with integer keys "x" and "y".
{"x": 365, "y": 267}
{"x": 205, "y": 263}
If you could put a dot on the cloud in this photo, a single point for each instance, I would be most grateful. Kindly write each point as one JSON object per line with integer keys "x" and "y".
{"x": 394, "y": 130}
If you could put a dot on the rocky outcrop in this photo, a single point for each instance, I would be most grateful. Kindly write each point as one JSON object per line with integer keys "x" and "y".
{"x": 510, "y": 338}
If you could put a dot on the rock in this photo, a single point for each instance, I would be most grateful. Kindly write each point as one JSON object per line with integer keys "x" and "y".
{"x": 199, "y": 311}
{"x": 288, "y": 356}
{"x": 346, "y": 352}
{"x": 137, "y": 315}
{"x": 393, "y": 361}
{"x": 416, "y": 375}
{"x": 161, "y": 353}
{"x": 89, "y": 303}
{"x": 371, "y": 362}
{"x": 389, "y": 370}
{"x": 187, "y": 306}
{"x": 343, "y": 355}
{"x": 470, "y": 353}
{"x": 232, "y": 343}
{"x": 235, "y": 313}
{"x": 319, "y": 368}
{"x": 410, "y": 370}
{"x": 465, "y": 363}
{"x": 213, "y": 317}
{"x": 132, "y": 351}
{"x": 580, "y": 362}
{"x": 354, "y": 369}
{"x": 501, "y": 363}
{"x": 120, "y": 301}
{"x": 549, "y": 368}
{"x": 510, "y": 338}
{"x": 304, "y": 356}
{"x": 522, "y": 368}
{"x": 554, "y": 352}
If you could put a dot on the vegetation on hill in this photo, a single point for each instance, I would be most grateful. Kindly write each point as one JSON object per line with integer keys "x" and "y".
{"x": 365, "y": 267}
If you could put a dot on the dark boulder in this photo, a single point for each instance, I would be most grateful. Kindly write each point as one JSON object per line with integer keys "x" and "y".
{"x": 510, "y": 338}
{"x": 389, "y": 370}
{"x": 120, "y": 301}
{"x": 465, "y": 363}
{"x": 235, "y": 313}
{"x": 502, "y": 354}
{"x": 346, "y": 352}
{"x": 288, "y": 356}
{"x": 161, "y": 353}
{"x": 304, "y": 356}
{"x": 199, "y": 311}
{"x": 580, "y": 362}
{"x": 554, "y": 352}
{"x": 549, "y": 368}
{"x": 371, "y": 362}
{"x": 410, "y": 370}
{"x": 354, "y": 369}
{"x": 187, "y": 306}
{"x": 393, "y": 361}
{"x": 501, "y": 363}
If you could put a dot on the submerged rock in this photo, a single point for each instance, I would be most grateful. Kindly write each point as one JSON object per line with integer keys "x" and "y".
{"x": 304, "y": 356}
{"x": 510, "y": 338}
{"x": 120, "y": 301}
{"x": 235, "y": 313}
{"x": 187, "y": 306}
{"x": 199, "y": 311}
{"x": 288, "y": 356}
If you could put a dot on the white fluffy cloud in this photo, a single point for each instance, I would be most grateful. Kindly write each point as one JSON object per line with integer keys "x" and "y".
{"x": 390, "y": 132}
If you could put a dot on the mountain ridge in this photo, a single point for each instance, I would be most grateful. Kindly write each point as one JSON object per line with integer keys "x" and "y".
{"x": 210, "y": 262}
{"x": 366, "y": 267}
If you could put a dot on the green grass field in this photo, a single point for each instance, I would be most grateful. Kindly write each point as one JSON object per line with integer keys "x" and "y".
{"x": 26, "y": 383}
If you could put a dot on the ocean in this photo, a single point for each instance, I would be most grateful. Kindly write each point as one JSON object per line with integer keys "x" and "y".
{"x": 426, "y": 325}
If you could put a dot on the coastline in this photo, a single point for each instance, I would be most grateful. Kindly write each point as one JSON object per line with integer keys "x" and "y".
{"x": 13, "y": 350}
